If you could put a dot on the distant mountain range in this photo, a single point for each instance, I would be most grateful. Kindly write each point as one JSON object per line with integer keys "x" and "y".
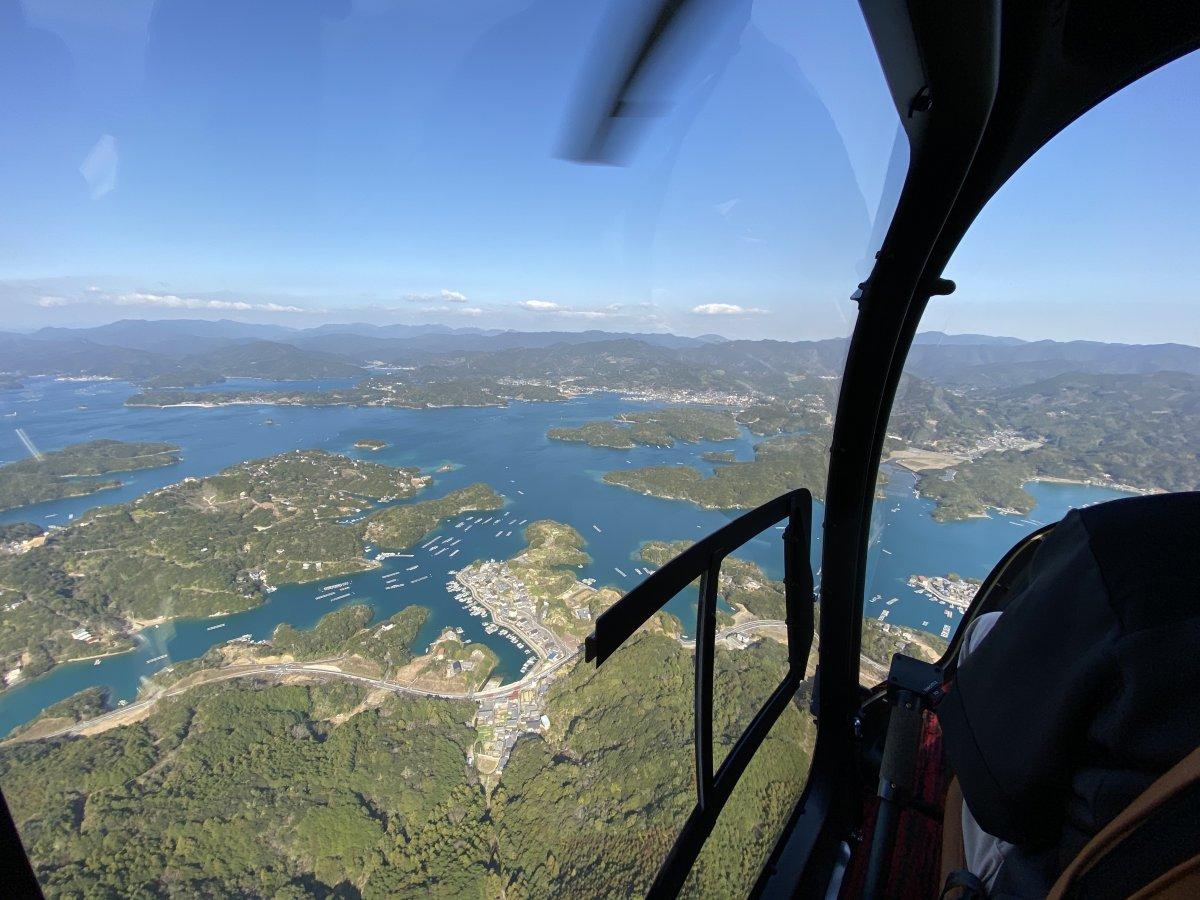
{"x": 190, "y": 353}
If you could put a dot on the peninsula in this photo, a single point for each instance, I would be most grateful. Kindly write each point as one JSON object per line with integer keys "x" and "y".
{"x": 201, "y": 547}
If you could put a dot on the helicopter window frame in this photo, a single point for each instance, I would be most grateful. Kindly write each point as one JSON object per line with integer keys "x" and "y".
{"x": 703, "y": 560}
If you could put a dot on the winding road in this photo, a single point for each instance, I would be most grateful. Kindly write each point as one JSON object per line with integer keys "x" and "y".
{"x": 327, "y": 668}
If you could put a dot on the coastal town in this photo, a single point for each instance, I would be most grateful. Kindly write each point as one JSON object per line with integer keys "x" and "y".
{"x": 490, "y": 589}
{"x": 951, "y": 591}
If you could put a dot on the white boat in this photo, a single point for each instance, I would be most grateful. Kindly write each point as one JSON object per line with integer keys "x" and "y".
{"x": 96, "y": 663}
{"x": 214, "y": 627}
{"x": 411, "y": 568}
{"x": 508, "y": 534}
{"x": 454, "y": 553}
{"x": 498, "y": 533}
{"x": 153, "y": 660}
{"x": 336, "y": 587}
{"x": 883, "y": 615}
{"x": 422, "y": 578}
{"x": 893, "y": 601}
{"x": 393, "y": 587}
{"x": 888, "y": 552}
{"x": 598, "y": 531}
{"x": 945, "y": 631}
{"x": 619, "y": 572}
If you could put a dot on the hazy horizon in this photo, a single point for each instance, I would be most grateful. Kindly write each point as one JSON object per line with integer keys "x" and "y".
{"x": 436, "y": 327}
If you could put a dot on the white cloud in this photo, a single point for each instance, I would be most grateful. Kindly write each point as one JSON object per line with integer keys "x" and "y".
{"x": 726, "y": 309}
{"x": 443, "y": 296}
{"x": 570, "y": 312}
{"x": 172, "y": 301}
{"x": 587, "y": 313}
{"x": 52, "y": 302}
{"x": 453, "y": 310}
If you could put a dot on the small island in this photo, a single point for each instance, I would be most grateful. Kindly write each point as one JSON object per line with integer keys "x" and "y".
{"x": 75, "y": 470}
{"x": 779, "y": 465}
{"x": 653, "y": 428}
{"x": 372, "y": 444}
{"x": 398, "y": 527}
{"x": 719, "y": 456}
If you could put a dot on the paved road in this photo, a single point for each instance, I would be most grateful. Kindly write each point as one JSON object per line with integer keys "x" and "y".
{"x": 745, "y": 627}
{"x": 317, "y": 667}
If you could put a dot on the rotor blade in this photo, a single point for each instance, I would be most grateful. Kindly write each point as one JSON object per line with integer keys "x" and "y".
{"x": 596, "y": 135}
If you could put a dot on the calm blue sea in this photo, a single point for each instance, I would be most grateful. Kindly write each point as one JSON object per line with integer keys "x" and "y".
{"x": 508, "y": 449}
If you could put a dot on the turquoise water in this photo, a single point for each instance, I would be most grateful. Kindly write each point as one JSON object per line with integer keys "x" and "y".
{"x": 508, "y": 449}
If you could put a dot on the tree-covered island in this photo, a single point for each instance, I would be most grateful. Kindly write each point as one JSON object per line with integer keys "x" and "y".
{"x": 653, "y": 428}
{"x": 77, "y": 470}
{"x": 779, "y": 465}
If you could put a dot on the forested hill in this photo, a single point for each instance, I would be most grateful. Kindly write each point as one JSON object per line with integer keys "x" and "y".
{"x": 184, "y": 353}
{"x": 332, "y": 790}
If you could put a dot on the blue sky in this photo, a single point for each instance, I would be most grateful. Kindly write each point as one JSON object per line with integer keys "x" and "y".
{"x": 396, "y": 161}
